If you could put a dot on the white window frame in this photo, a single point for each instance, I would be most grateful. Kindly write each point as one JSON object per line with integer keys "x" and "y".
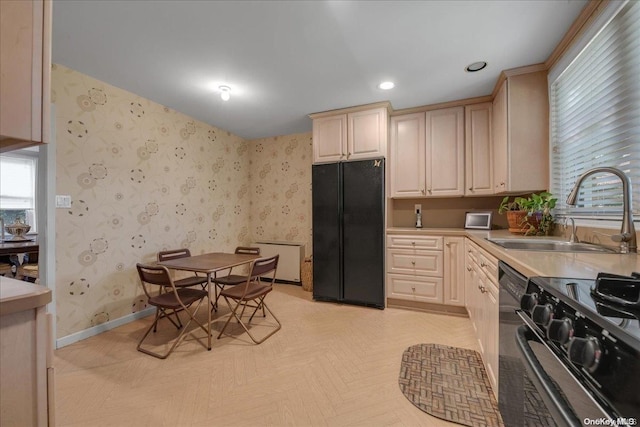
{"x": 602, "y": 20}
{"x": 31, "y": 157}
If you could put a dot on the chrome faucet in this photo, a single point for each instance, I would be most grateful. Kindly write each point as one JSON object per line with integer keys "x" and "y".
{"x": 574, "y": 237}
{"x": 627, "y": 236}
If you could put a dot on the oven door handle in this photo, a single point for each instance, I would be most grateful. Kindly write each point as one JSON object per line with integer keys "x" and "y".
{"x": 561, "y": 407}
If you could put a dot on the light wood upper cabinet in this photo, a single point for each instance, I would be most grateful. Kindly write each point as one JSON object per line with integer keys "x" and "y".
{"x": 445, "y": 152}
{"x": 367, "y": 134}
{"x": 407, "y": 156}
{"x": 521, "y": 134}
{"x": 352, "y": 134}
{"x": 478, "y": 150}
{"x": 427, "y": 154}
{"x": 330, "y": 139}
{"x": 25, "y": 73}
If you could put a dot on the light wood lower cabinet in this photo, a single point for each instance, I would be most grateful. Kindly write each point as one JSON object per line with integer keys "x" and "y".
{"x": 481, "y": 282}
{"x": 415, "y": 288}
{"x": 26, "y": 355}
{"x": 454, "y": 289}
{"x": 426, "y": 268}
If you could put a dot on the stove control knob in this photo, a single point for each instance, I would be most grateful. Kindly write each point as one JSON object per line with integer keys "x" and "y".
{"x": 542, "y": 314}
{"x": 585, "y": 352}
{"x": 560, "y": 330}
{"x": 528, "y": 301}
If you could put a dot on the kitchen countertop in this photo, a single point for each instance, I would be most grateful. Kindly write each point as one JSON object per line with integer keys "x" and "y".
{"x": 16, "y": 295}
{"x": 579, "y": 265}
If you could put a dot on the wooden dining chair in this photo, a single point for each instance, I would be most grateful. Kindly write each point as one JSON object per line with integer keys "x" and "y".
{"x": 252, "y": 294}
{"x": 170, "y": 302}
{"x": 234, "y": 279}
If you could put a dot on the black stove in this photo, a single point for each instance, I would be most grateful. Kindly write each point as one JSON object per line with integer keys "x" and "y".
{"x": 593, "y": 328}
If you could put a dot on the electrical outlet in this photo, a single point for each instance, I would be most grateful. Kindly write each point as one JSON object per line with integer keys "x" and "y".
{"x": 418, "y": 208}
{"x": 63, "y": 201}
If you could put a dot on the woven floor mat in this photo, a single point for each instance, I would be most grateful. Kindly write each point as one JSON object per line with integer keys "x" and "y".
{"x": 449, "y": 383}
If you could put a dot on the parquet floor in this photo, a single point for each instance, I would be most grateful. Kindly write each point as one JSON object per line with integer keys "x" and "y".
{"x": 329, "y": 365}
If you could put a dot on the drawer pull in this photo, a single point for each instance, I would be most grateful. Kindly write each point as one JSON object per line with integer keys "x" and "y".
{"x": 413, "y": 263}
{"x": 469, "y": 268}
{"x": 482, "y": 264}
{"x": 413, "y": 243}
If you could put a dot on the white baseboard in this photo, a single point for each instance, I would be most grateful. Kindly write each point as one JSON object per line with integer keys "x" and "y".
{"x": 103, "y": 327}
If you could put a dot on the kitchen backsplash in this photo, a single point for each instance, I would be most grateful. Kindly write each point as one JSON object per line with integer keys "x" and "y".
{"x": 144, "y": 178}
{"x": 443, "y": 212}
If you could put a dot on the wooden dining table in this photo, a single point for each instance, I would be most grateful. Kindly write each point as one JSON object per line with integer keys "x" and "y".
{"x": 209, "y": 264}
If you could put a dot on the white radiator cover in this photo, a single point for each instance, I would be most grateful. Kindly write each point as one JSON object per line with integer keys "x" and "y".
{"x": 291, "y": 257}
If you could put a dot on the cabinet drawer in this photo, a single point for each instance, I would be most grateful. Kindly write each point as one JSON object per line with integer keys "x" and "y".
{"x": 490, "y": 266}
{"x": 415, "y": 288}
{"x": 415, "y": 242}
{"x": 414, "y": 262}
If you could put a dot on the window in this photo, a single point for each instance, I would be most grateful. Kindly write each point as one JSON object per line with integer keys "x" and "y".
{"x": 594, "y": 95}
{"x": 18, "y": 187}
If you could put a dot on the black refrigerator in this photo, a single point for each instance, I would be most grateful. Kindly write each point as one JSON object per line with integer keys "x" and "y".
{"x": 348, "y": 232}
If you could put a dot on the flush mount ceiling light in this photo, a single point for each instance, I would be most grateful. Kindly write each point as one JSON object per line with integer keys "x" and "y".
{"x": 386, "y": 85}
{"x": 476, "y": 66}
{"x": 225, "y": 92}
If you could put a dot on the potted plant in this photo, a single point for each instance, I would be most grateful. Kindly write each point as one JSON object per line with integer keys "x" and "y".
{"x": 516, "y": 214}
{"x": 530, "y": 215}
{"x": 539, "y": 217}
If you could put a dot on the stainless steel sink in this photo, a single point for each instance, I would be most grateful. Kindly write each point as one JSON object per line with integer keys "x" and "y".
{"x": 550, "y": 245}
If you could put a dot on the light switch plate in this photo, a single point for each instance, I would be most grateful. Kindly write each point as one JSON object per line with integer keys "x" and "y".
{"x": 418, "y": 208}
{"x": 63, "y": 201}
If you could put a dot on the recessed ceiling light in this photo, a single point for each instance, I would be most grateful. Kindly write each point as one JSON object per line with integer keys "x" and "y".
{"x": 386, "y": 85}
{"x": 225, "y": 92}
{"x": 476, "y": 66}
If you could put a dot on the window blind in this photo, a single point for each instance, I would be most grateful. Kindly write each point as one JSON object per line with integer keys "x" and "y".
{"x": 595, "y": 119}
{"x": 17, "y": 182}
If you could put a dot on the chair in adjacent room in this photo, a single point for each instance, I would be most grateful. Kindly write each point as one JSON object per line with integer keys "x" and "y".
{"x": 28, "y": 270}
{"x": 252, "y": 294}
{"x": 234, "y": 279}
{"x": 173, "y": 300}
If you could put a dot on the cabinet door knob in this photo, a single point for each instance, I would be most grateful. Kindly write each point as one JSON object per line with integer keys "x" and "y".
{"x": 470, "y": 188}
{"x": 469, "y": 269}
{"x": 413, "y": 288}
{"x": 422, "y": 190}
{"x": 429, "y": 191}
{"x": 413, "y": 263}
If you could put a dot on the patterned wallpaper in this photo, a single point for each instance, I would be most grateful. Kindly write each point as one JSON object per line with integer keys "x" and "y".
{"x": 280, "y": 177}
{"x": 144, "y": 178}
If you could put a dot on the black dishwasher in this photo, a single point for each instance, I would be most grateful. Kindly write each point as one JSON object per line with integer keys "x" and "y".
{"x": 520, "y": 403}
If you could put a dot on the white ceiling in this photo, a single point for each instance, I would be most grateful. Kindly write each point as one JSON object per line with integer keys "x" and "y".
{"x": 286, "y": 59}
